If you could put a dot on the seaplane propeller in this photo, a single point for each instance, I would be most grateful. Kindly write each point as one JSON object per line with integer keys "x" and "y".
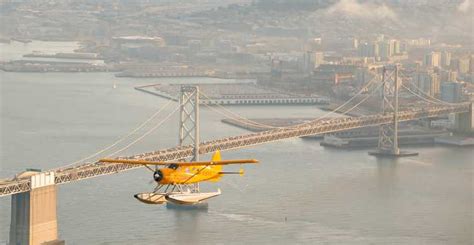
{"x": 158, "y": 175}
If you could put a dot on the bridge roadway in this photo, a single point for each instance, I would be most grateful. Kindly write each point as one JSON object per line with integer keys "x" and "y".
{"x": 90, "y": 170}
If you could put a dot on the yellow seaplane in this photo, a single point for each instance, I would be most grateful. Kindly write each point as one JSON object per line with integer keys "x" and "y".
{"x": 178, "y": 182}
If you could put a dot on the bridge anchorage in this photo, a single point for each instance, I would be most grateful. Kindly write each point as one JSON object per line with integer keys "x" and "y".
{"x": 34, "y": 213}
{"x": 388, "y": 133}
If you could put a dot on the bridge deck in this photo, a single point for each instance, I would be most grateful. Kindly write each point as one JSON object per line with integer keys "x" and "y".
{"x": 90, "y": 170}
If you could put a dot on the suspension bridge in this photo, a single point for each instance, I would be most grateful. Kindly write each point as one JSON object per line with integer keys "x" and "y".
{"x": 191, "y": 146}
{"x": 90, "y": 170}
{"x": 84, "y": 170}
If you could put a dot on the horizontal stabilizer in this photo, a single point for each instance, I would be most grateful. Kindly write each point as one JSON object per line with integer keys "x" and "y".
{"x": 240, "y": 172}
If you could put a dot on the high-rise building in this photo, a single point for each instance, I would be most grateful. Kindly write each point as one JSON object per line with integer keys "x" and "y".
{"x": 434, "y": 85}
{"x": 396, "y": 47}
{"x": 451, "y": 92}
{"x": 463, "y": 65}
{"x": 362, "y": 50}
{"x": 445, "y": 59}
{"x": 318, "y": 59}
{"x": 471, "y": 64}
{"x": 389, "y": 48}
{"x": 421, "y": 42}
{"x": 448, "y": 76}
{"x": 404, "y": 46}
{"x": 355, "y": 43}
{"x": 432, "y": 59}
{"x": 368, "y": 49}
{"x": 453, "y": 76}
{"x": 428, "y": 82}
{"x": 385, "y": 50}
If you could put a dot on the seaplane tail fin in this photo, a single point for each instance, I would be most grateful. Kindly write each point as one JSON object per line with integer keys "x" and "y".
{"x": 216, "y": 157}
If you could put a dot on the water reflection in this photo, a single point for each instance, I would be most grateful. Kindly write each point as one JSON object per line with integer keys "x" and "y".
{"x": 187, "y": 220}
{"x": 387, "y": 178}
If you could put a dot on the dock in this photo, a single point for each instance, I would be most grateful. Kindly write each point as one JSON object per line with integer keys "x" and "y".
{"x": 455, "y": 140}
{"x": 243, "y": 93}
{"x": 368, "y": 142}
{"x": 52, "y": 66}
{"x": 85, "y": 56}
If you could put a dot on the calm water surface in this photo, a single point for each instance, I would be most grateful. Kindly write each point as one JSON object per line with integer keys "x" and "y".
{"x": 300, "y": 193}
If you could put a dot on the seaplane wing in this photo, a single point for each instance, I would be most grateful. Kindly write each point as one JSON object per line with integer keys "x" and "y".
{"x": 181, "y": 164}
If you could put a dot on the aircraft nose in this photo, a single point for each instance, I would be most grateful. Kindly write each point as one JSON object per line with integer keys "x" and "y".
{"x": 158, "y": 175}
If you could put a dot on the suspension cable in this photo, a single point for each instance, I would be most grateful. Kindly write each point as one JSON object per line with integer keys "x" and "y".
{"x": 145, "y": 134}
{"x": 438, "y": 101}
{"x": 419, "y": 96}
{"x": 366, "y": 86}
{"x": 353, "y": 107}
{"x": 427, "y": 95}
{"x": 363, "y": 100}
{"x": 120, "y": 139}
{"x": 246, "y": 122}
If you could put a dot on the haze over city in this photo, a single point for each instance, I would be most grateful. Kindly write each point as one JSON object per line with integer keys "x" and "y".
{"x": 236, "y": 121}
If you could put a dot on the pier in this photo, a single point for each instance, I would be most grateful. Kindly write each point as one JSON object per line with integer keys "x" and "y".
{"x": 234, "y": 94}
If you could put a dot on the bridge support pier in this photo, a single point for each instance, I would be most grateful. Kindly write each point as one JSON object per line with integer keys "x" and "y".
{"x": 381, "y": 153}
{"x": 33, "y": 213}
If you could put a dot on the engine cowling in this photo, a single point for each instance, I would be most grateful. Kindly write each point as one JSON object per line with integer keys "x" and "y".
{"x": 158, "y": 175}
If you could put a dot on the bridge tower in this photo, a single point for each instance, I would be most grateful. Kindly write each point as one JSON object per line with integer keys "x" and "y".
{"x": 388, "y": 133}
{"x": 189, "y": 122}
{"x": 189, "y": 118}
